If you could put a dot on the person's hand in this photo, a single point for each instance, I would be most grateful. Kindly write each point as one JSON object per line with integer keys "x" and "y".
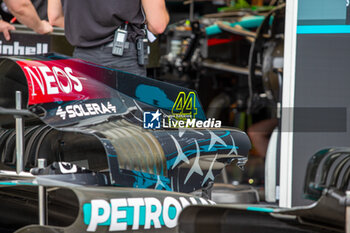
{"x": 44, "y": 28}
{"x": 5, "y": 27}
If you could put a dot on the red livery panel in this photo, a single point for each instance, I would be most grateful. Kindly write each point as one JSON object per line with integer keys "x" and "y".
{"x": 62, "y": 80}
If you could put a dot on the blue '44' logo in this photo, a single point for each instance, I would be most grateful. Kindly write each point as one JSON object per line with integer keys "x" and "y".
{"x": 151, "y": 120}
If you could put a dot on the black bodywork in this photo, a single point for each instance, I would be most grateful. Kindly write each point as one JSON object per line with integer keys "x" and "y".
{"x": 92, "y": 152}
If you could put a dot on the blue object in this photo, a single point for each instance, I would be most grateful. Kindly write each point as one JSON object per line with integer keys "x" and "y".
{"x": 247, "y": 22}
{"x": 260, "y": 209}
{"x": 151, "y": 120}
{"x": 323, "y": 29}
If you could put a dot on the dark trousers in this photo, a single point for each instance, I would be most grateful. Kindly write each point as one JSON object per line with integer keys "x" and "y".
{"x": 102, "y": 55}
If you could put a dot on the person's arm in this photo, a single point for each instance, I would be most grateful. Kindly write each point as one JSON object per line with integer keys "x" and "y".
{"x": 156, "y": 15}
{"x": 26, "y": 14}
{"x": 55, "y": 13}
{"x": 5, "y": 27}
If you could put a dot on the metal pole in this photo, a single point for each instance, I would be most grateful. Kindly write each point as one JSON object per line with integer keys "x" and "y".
{"x": 224, "y": 176}
{"x": 19, "y": 135}
{"x": 42, "y": 198}
{"x": 347, "y": 213}
{"x": 191, "y": 10}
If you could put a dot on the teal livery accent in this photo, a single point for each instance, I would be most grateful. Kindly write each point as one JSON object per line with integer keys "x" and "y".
{"x": 260, "y": 209}
{"x": 323, "y": 29}
{"x": 16, "y": 183}
{"x": 227, "y": 133}
{"x": 129, "y": 215}
{"x": 146, "y": 180}
{"x": 246, "y": 22}
{"x": 153, "y": 96}
{"x": 204, "y": 148}
{"x": 156, "y": 97}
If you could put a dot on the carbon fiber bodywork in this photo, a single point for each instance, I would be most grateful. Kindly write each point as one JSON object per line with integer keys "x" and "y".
{"x": 326, "y": 182}
{"x": 92, "y": 118}
{"x": 71, "y": 208}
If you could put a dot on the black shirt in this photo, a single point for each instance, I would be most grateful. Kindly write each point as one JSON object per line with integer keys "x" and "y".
{"x": 90, "y": 23}
{"x": 39, "y": 5}
{"x": 41, "y": 8}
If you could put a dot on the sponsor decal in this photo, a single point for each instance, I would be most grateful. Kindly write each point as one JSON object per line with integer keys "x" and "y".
{"x": 182, "y": 115}
{"x": 63, "y": 80}
{"x": 136, "y": 213}
{"x": 86, "y": 109}
{"x": 190, "y": 123}
{"x": 185, "y": 106}
{"x": 151, "y": 120}
{"x": 51, "y": 81}
{"x": 17, "y": 49}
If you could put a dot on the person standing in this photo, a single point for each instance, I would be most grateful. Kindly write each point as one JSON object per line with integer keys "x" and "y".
{"x": 26, "y": 14}
{"x": 5, "y": 28}
{"x": 91, "y": 27}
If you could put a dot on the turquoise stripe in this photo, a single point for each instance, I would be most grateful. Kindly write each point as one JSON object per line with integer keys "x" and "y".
{"x": 205, "y": 140}
{"x": 16, "y": 183}
{"x": 323, "y": 29}
{"x": 246, "y": 23}
{"x": 260, "y": 209}
{"x": 7, "y": 183}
